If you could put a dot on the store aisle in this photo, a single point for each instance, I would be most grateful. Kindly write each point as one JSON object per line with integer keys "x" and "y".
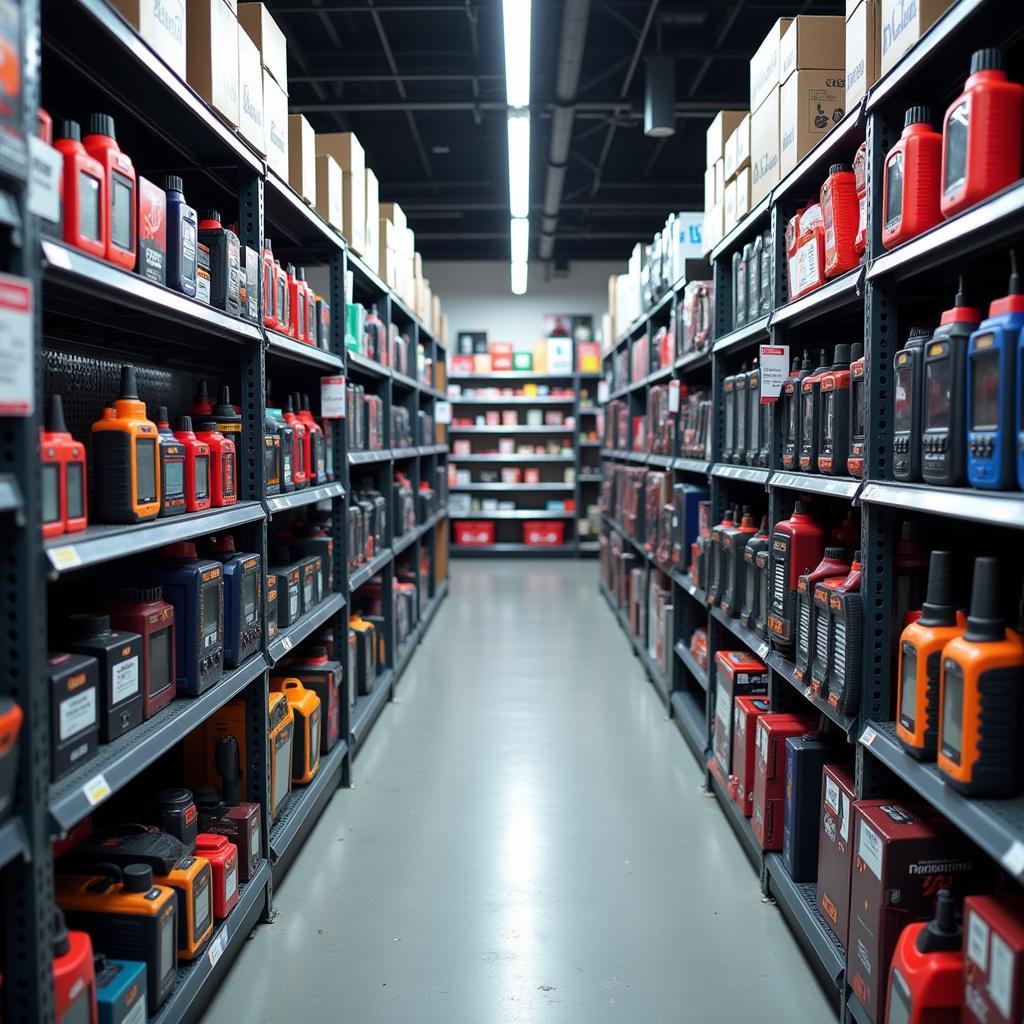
{"x": 526, "y": 842}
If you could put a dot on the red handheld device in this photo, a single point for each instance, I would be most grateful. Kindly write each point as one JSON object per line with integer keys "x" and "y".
{"x": 223, "y": 857}
{"x": 223, "y": 464}
{"x": 63, "y": 458}
{"x": 270, "y": 317}
{"x": 300, "y": 445}
{"x": 913, "y": 170}
{"x": 197, "y": 466}
{"x": 118, "y": 213}
{"x": 840, "y": 213}
{"x": 74, "y": 978}
{"x": 143, "y": 610}
{"x": 84, "y": 192}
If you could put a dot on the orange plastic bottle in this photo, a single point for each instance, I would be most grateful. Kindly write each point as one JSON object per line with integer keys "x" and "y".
{"x": 840, "y": 216}
{"x": 913, "y": 170}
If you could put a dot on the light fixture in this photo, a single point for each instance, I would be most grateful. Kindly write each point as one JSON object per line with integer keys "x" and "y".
{"x": 660, "y": 98}
{"x": 516, "y": 19}
{"x": 520, "y": 272}
{"x": 519, "y": 164}
{"x": 520, "y": 239}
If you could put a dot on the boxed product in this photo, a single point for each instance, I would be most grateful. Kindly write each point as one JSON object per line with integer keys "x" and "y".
{"x": 770, "y": 774}
{"x": 372, "y": 249}
{"x": 269, "y": 39}
{"x": 811, "y": 42}
{"x": 151, "y": 256}
{"x": 302, "y": 157}
{"x": 764, "y": 65}
{"x": 742, "y": 193}
{"x": 764, "y": 147}
{"x": 903, "y": 23}
{"x": 863, "y": 49}
{"x": 738, "y": 673}
{"x": 275, "y": 121}
{"x": 805, "y": 759}
{"x": 250, "y": 93}
{"x": 719, "y": 180}
{"x": 993, "y": 959}
{"x": 330, "y": 192}
{"x": 729, "y": 205}
{"x": 474, "y": 534}
{"x": 161, "y": 25}
{"x": 746, "y": 712}
{"x": 346, "y": 150}
{"x": 737, "y": 148}
{"x": 718, "y": 131}
{"x": 709, "y": 201}
{"x": 212, "y": 56}
{"x": 835, "y": 849}
{"x": 811, "y": 102}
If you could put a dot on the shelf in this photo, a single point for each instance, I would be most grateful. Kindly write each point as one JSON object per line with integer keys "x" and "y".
{"x": 838, "y": 146}
{"x": 520, "y": 429}
{"x": 514, "y": 549}
{"x": 103, "y": 543}
{"x": 301, "y": 353}
{"x": 693, "y": 361}
{"x": 13, "y": 841}
{"x": 290, "y": 218}
{"x": 516, "y": 400}
{"x": 665, "y": 461}
{"x": 224, "y": 945}
{"x": 433, "y": 449}
{"x": 308, "y": 496}
{"x": 589, "y": 478}
{"x": 683, "y": 580}
{"x": 115, "y": 764}
{"x": 291, "y": 636}
{"x": 740, "y": 824}
{"x": 589, "y": 444}
{"x": 367, "y": 708}
{"x": 814, "y": 483}
{"x": 746, "y": 474}
{"x": 997, "y": 508}
{"x": 365, "y": 457}
{"x": 365, "y": 282}
{"x": 786, "y": 669}
{"x": 755, "y": 643}
{"x": 521, "y": 513}
{"x": 306, "y": 803}
{"x": 839, "y": 293}
{"x": 997, "y": 826}
{"x": 636, "y": 544}
{"x": 798, "y": 902}
{"x": 362, "y": 366}
{"x": 747, "y": 226}
{"x": 689, "y": 716}
{"x": 426, "y": 389}
{"x": 524, "y": 375}
{"x": 741, "y": 337}
{"x": 359, "y": 576}
{"x": 589, "y": 546}
{"x": 495, "y": 457}
{"x": 404, "y": 381}
{"x": 409, "y": 452}
{"x": 517, "y": 488}
{"x": 700, "y": 675}
{"x": 856, "y": 1012}
{"x": 702, "y": 466}
{"x": 406, "y": 540}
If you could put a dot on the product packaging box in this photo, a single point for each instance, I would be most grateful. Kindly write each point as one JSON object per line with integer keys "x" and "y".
{"x": 713, "y": 228}
{"x": 863, "y": 49}
{"x": 811, "y": 102}
{"x": 269, "y": 39}
{"x": 329, "y": 192}
{"x": 345, "y": 148}
{"x": 903, "y": 855}
{"x": 737, "y": 673}
{"x": 746, "y": 712}
{"x": 718, "y": 131}
{"x": 302, "y": 157}
{"x": 709, "y": 201}
{"x": 394, "y": 213}
{"x": 811, "y": 42}
{"x": 386, "y": 252}
{"x": 559, "y": 355}
{"x": 764, "y": 147}
{"x": 993, "y": 960}
{"x": 501, "y": 356}
{"x": 719, "y": 180}
{"x": 805, "y": 759}
{"x": 729, "y": 205}
{"x": 770, "y": 774}
{"x": 835, "y": 849}
{"x": 151, "y": 257}
{"x": 161, "y": 23}
{"x": 212, "y": 56}
{"x": 251, "y": 124}
{"x": 742, "y": 194}
{"x": 903, "y": 23}
{"x": 371, "y": 252}
{"x": 275, "y": 120}
{"x": 737, "y": 148}
{"x": 764, "y": 65}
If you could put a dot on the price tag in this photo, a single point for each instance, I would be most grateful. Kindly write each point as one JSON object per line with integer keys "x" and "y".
{"x": 774, "y": 363}
{"x": 332, "y": 398}
{"x": 1013, "y": 859}
{"x": 673, "y": 396}
{"x": 868, "y": 736}
{"x": 217, "y": 947}
{"x": 602, "y": 392}
{"x": 65, "y": 557}
{"x": 17, "y": 388}
{"x": 443, "y": 413}
{"x": 56, "y": 255}
{"x": 96, "y": 790}
{"x": 46, "y": 165}
{"x": 287, "y": 643}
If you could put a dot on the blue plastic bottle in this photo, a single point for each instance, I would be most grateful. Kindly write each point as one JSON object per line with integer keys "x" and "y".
{"x": 182, "y": 233}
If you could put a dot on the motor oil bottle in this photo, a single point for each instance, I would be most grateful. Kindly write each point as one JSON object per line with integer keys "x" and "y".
{"x": 283, "y": 304}
{"x": 807, "y": 262}
{"x": 981, "y": 134}
{"x": 228, "y": 418}
{"x": 754, "y": 278}
{"x": 834, "y": 563}
{"x": 734, "y": 542}
{"x": 182, "y": 236}
{"x": 982, "y": 680}
{"x": 317, "y": 443}
{"x": 223, "y": 464}
{"x": 269, "y": 286}
{"x": 120, "y": 210}
{"x": 715, "y": 567}
{"x": 834, "y": 443}
{"x": 810, "y": 414}
{"x": 908, "y": 406}
{"x": 296, "y": 305}
{"x": 791, "y": 411}
{"x": 83, "y": 192}
{"x": 840, "y": 214}
{"x": 920, "y": 661}
{"x": 751, "y": 591}
{"x": 758, "y": 436}
{"x": 797, "y": 544}
{"x": 729, "y": 406}
{"x": 858, "y": 411}
{"x": 225, "y": 262}
{"x": 912, "y": 176}
{"x": 300, "y": 445}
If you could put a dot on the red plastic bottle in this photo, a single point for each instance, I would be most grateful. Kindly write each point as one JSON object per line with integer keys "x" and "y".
{"x": 840, "y": 214}
{"x": 197, "y": 466}
{"x": 84, "y": 192}
{"x": 223, "y": 464}
{"x": 297, "y": 305}
{"x": 317, "y": 446}
{"x": 44, "y": 126}
{"x": 300, "y": 442}
{"x": 282, "y": 302}
{"x": 797, "y": 544}
{"x": 269, "y": 271}
{"x": 913, "y": 170}
{"x": 807, "y": 262}
{"x": 119, "y": 212}
{"x": 223, "y": 857}
{"x": 860, "y": 172}
{"x": 981, "y": 135}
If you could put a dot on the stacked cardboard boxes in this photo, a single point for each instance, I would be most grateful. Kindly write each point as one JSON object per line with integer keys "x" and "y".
{"x": 720, "y": 130}
{"x": 269, "y": 40}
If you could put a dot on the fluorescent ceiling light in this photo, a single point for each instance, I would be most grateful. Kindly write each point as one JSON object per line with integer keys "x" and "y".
{"x": 520, "y": 272}
{"x": 520, "y": 239}
{"x": 519, "y": 164}
{"x": 516, "y": 19}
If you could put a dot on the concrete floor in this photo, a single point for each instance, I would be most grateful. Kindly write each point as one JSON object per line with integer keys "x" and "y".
{"x": 526, "y": 841}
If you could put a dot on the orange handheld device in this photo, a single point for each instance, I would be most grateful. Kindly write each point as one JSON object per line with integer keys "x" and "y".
{"x": 125, "y": 460}
{"x": 64, "y": 490}
{"x": 223, "y": 464}
{"x": 926, "y": 973}
{"x": 74, "y": 978}
{"x": 322, "y": 675}
{"x": 920, "y": 664}
{"x": 129, "y": 918}
{"x": 192, "y": 879}
{"x": 791, "y": 412}
{"x": 913, "y": 170}
{"x": 84, "y": 192}
{"x": 982, "y": 679}
{"x": 222, "y": 855}
{"x": 305, "y": 708}
{"x": 197, "y": 466}
{"x": 10, "y": 727}
{"x": 119, "y": 211}
{"x": 281, "y": 736}
{"x": 172, "y": 467}
{"x": 840, "y": 214}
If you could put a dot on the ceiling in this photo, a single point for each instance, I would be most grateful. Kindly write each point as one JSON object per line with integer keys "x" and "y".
{"x": 421, "y": 83}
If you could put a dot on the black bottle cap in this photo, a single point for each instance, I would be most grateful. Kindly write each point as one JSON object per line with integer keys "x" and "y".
{"x": 172, "y": 183}
{"x": 137, "y": 877}
{"x": 300, "y": 273}
{"x": 87, "y": 624}
{"x": 839, "y": 168}
{"x": 68, "y": 129}
{"x": 210, "y": 215}
{"x": 208, "y": 425}
{"x": 942, "y": 933}
{"x": 101, "y": 124}
{"x": 856, "y": 351}
{"x": 225, "y": 760}
{"x": 841, "y": 359}
{"x": 918, "y": 336}
{"x": 1014, "y": 288}
{"x": 139, "y": 595}
{"x": 61, "y": 942}
{"x": 201, "y": 391}
{"x": 835, "y": 554}
{"x": 823, "y": 363}
{"x": 176, "y": 796}
{"x": 55, "y": 416}
{"x": 288, "y": 407}
{"x": 224, "y": 406}
{"x": 939, "y": 608}
{"x": 207, "y": 798}
{"x": 161, "y": 414}
{"x": 989, "y": 59}
{"x": 961, "y": 295}
{"x": 305, "y": 403}
{"x": 800, "y": 506}
{"x": 917, "y": 115}
{"x": 128, "y": 386}
{"x": 182, "y": 423}
{"x": 985, "y": 623}
{"x": 806, "y": 364}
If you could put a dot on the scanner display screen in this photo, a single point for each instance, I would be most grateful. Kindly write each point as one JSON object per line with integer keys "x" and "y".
{"x": 894, "y": 191}
{"x": 899, "y": 1001}
{"x": 51, "y": 498}
{"x": 211, "y": 617}
{"x": 908, "y": 692}
{"x": 174, "y": 477}
{"x": 145, "y": 470}
{"x": 121, "y": 198}
{"x": 76, "y": 491}
{"x": 985, "y": 390}
{"x": 202, "y": 476}
{"x": 808, "y": 404}
{"x": 904, "y": 382}
{"x": 88, "y": 206}
{"x": 159, "y": 662}
{"x": 792, "y": 420}
{"x": 938, "y": 379}
{"x": 165, "y": 953}
{"x": 952, "y": 710}
{"x": 202, "y": 899}
{"x": 248, "y": 598}
{"x": 859, "y": 412}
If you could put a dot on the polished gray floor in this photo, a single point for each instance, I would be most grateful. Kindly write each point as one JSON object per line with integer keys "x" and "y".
{"x": 526, "y": 841}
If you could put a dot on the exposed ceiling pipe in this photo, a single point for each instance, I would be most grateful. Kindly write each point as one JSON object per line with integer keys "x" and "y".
{"x": 570, "y": 62}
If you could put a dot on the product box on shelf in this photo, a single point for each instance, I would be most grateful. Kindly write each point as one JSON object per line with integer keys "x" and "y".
{"x": 275, "y": 121}
{"x": 772, "y": 731}
{"x": 764, "y": 147}
{"x": 544, "y": 533}
{"x": 302, "y": 157}
{"x": 212, "y": 56}
{"x": 993, "y": 959}
{"x": 738, "y": 673}
{"x": 371, "y": 251}
{"x": 737, "y": 148}
{"x": 330, "y": 191}
{"x": 743, "y": 193}
{"x": 746, "y": 712}
{"x": 835, "y": 849}
{"x": 903, "y": 24}
{"x": 251, "y": 123}
{"x": 478, "y": 533}
{"x": 161, "y": 25}
{"x": 718, "y": 131}
{"x": 811, "y": 103}
{"x": 347, "y": 151}
{"x": 805, "y": 758}
{"x": 811, "y": 41}
{"x": 268, "y": 37}
{"x": 764, "y": 67}
{"x": 863, "y": 48}
{"x": 709, "y": 201}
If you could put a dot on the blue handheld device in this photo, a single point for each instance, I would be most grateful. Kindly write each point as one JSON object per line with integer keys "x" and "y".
{"x": 243, "y": 574}
{"x": 120, "y": 991}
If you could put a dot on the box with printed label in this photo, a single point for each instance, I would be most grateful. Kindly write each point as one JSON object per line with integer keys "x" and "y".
{"x": 302, "y": 157}
{"x": 903, "y": 23}
{"x": 709, "y": 201}
{"x": 161, "y": 23}
{"x": 211, "y": 66}
{"x": 330, "y": 192}
{"x": 737, "y": 674}
{"x": 268, "y": 37}
{"x": 275, "y": 120}
{"x": 737, "y": 148}
{"x": 345, "y": 148}
{"x": 742, "y": 194}
{"x": 863, "y": 49}
{"x": 835, "y": 849}
{"x": 764, "y": 147}
{"x": 712, "y": 231}
{"x": 811, "y": 103}
{"x": 386, "y": 252}
{"x": 371, "y": 245}
{"x": 746, "y": 712}
{"x": 993, "y": 959}
{"x": 250, "y": 93}
{"x": 903, "y": 854}
{"x": 729, "y": 205}
{"x": 811, "y": 42}
{"x": 805, "y": 760}
{"x": 394, "y": 213}
{"x": 718, "y": 131}
{"x": 764, "y": 65}
{"x": 772, "y": 731}
{"x": 151, "y": 256}
{"x": 719, "y": 180}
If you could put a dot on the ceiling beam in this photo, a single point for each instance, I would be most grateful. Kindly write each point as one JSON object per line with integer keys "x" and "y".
{"x": 622, "y": 108}
{"x": 404, "y": 76}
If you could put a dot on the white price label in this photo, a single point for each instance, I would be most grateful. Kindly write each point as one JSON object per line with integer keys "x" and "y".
{"x": 217, "y": 946}
{"x": 443, "y": 413}
{"x": 868, "y": 736}
{"x": 96, "y": 790}
{"x": 673, "y": 396}
{"x": 17, "y": 389}
{"x": 602, "y": 392}
{"x": 125, "y": 679}
{"x": 287, "y": 643}
{"x": 64, "y": 557}
{"x": 1013, "y": 859}
{"x": 46, "y": 165}
{"x": 332, "y": 398}
{"x": 774, "y": 363}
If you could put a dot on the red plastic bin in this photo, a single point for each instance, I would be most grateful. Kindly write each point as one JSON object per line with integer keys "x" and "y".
{"x": 477, "y": 534}
{"x": 544, "y": 533}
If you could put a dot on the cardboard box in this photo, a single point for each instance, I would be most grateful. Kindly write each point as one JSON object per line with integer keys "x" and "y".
{"x": 993, "y": 959}
{"x": 386, "y": 252}
{"x": 713, "y": 228}
{"x": 719, "y": 180}
{"x": 863, "y": 49}
{"x": 345, "y": 148}
{"x": 251, "y": 122}
{"x": 718, "y": 131}
{"x": 330, "y": 192}
{"x": 764, "y": 65}
{"x": 764, "y": 147}
{"x": 275, "y": 120}
{"x": 805, "y": 760}
{"x": 742, "y": 194}
{"x": 812, "y": 42}
{"x": 151, "y": 217}
{"x": 161, "y": 23}
{"x": 903, "y": 854}
{"x": 810, "y": 103}
{"x": 269, "y": 40}
{"x": 394, "y": 213}
{"x": 746, "y": 712}
{"x": 302, "y": 157}
{"x": 835, "y": 849}
{"x": 372, "y": 244}
{"x": 772, "y": 731}
{"x": 737, "y": 149}
{"x": 211, "y": 65}
{"x": 737, "y": 674}
{"x": 709, "y": 189}
{"x": 903, "y": 23}
{"x": 729, "y": 205}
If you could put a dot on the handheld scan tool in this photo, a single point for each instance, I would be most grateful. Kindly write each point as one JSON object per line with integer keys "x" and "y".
{"x": 74, "y": 710}
{"x": 74, "y": 979}
{"x": 172, "y": 467}
{"x": 143, "y": 610}
{"x": 63, "y": 476}
{"x": 242, "y": 620}
{"x": 834, "y": 443}
{"x": 120, "y": 990}
{"x": 305, "y": 708}
{"x": 908, "y": 406}
{"x": 282, "y": 737}
{"x": 222, "y": 855}
{"x": 223, "y": 464}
